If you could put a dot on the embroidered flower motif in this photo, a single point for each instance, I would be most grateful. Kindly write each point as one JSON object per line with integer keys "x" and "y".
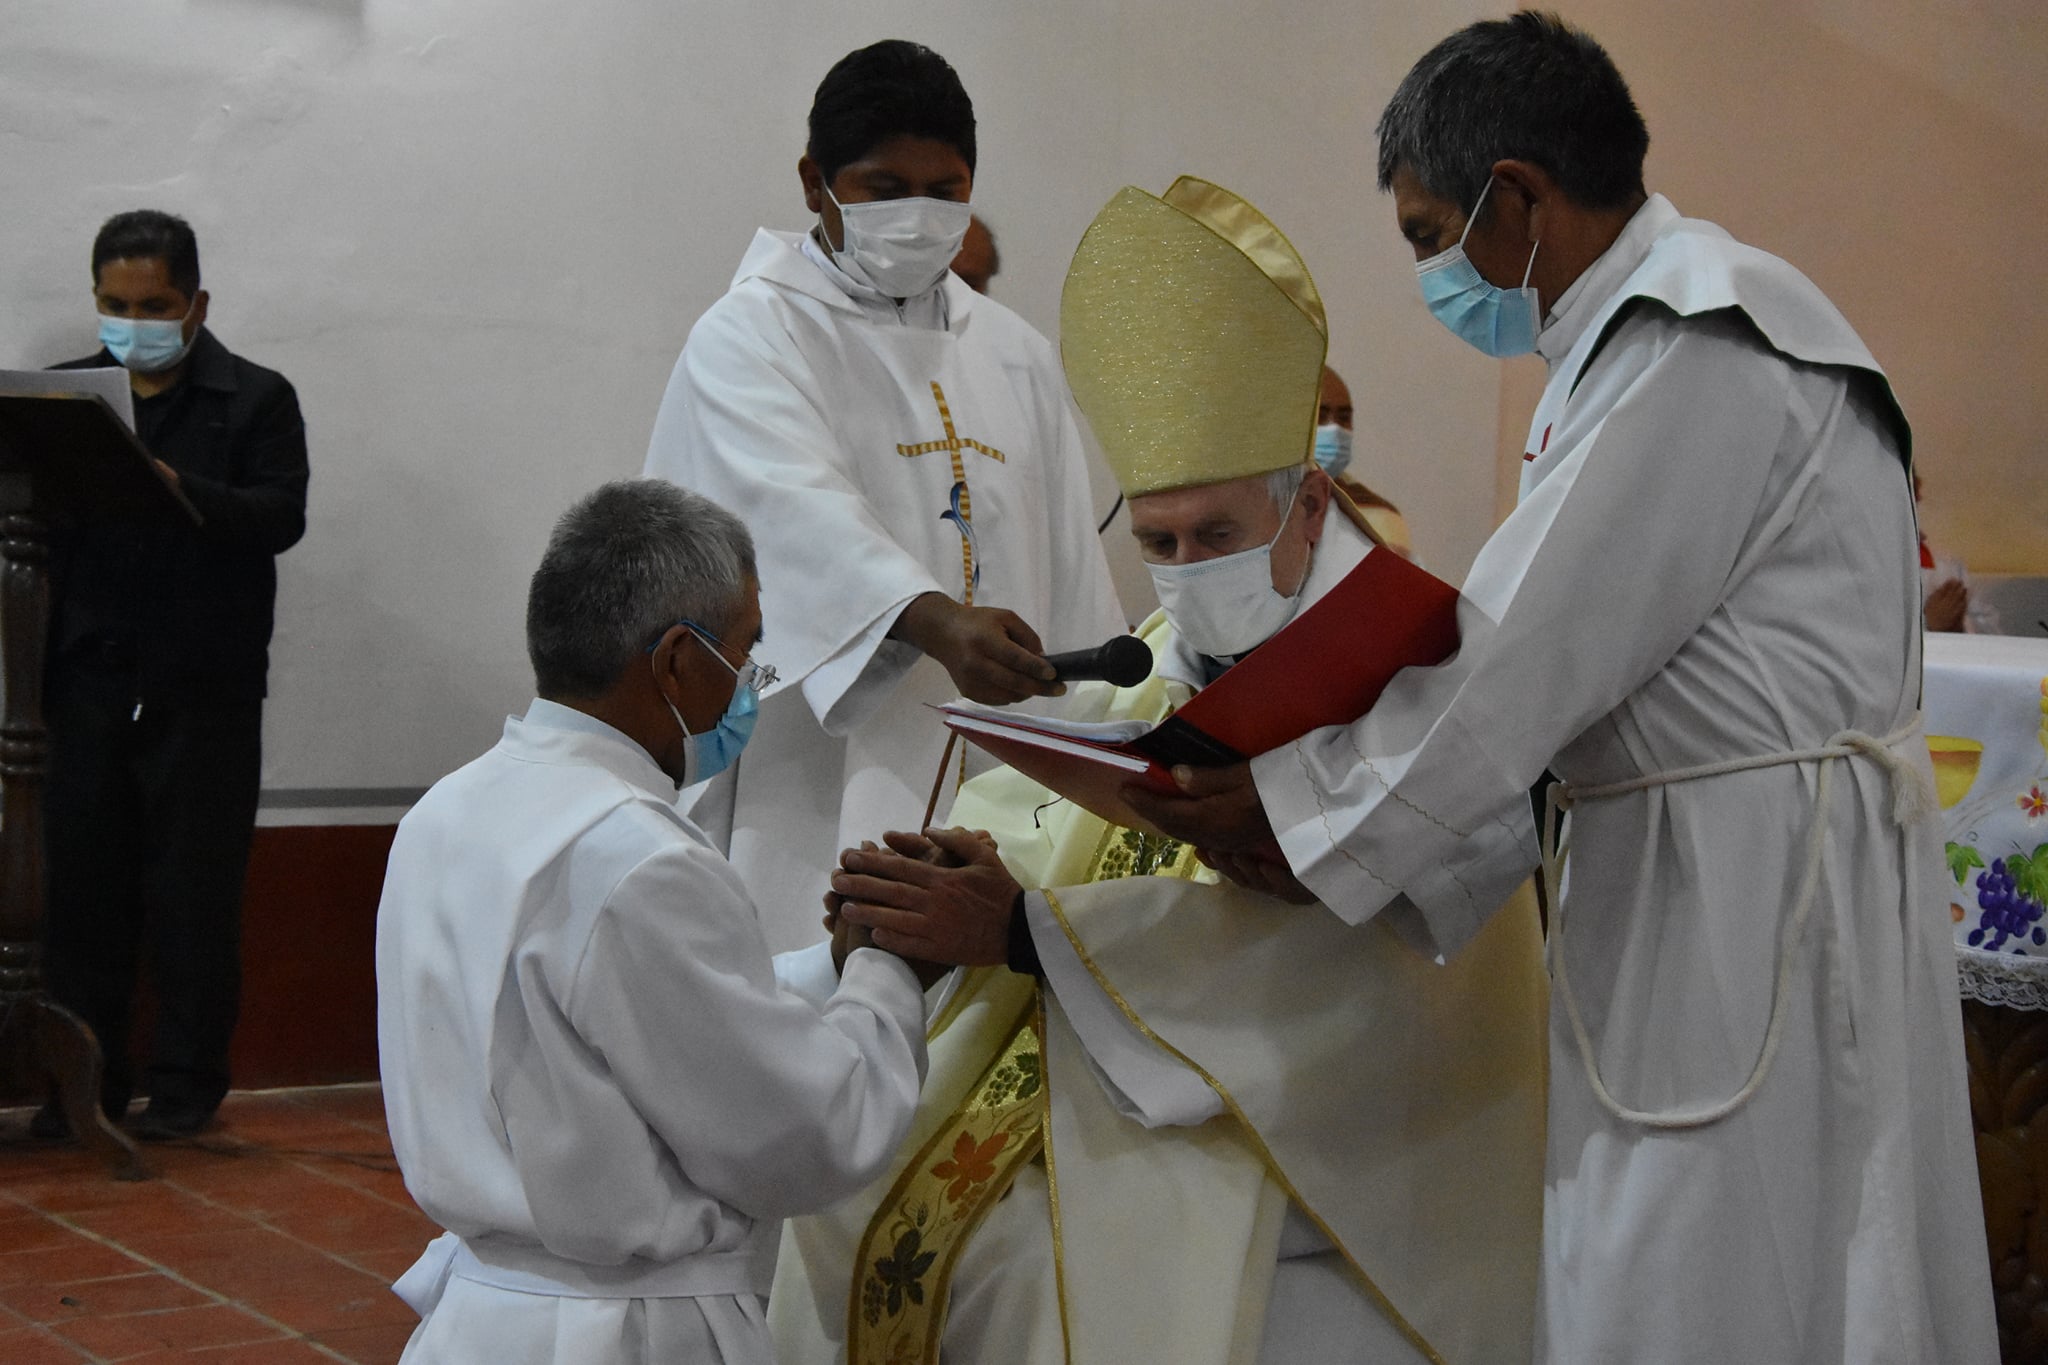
{"x": 2034, "y": 803}
{"x": 972, "y": 1164}
{"x": 903, "y": 1271}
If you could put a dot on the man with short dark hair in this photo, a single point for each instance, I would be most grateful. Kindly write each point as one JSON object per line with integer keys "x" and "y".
{"x": 159, "y": 651}
{"x": 1705, "y": 619}
{"x": 903, "y": 451}
{"x": 595, "y": 1077}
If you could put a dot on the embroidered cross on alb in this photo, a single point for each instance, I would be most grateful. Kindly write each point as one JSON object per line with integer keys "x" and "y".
{"x": 961, "y": 509}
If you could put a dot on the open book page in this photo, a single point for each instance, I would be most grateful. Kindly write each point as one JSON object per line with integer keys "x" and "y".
{"x": 980, "y": 727}
{"x": 1090, "y": 774}
{"x": 108, "y": 382}
{"x": 1093, "y": 731}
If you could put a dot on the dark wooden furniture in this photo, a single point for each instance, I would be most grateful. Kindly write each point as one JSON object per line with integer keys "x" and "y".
{"x": 65, "y": 459}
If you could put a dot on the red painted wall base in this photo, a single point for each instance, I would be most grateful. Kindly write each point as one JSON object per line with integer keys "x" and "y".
{"x": 309, "y": 976}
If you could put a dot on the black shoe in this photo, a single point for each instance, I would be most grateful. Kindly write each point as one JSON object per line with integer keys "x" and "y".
{"x": 170, "y": 1121}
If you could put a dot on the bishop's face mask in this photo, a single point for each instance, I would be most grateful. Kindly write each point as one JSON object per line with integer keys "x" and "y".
{"x": 900, "y": 247}
{"x": 146, "y": 345}
{"x": 708, "y": 754}
{"x": 1226, "y": 606}
{"x": 1500, "y": 322}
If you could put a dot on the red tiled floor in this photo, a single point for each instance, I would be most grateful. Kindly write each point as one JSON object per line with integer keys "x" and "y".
{"x": 270, "y": 1240}
{"x": 34, "y": 1346}
{"x": 386, "y": 1185}
{"x": 176, "y": 1216}
{"x": 79, "y": 1259}
{"x": 342, "y": 1220}
{"x": 46, "y": 1302}
{"x": 362, "y": 1104}
{"x": 387, "y": 1266}
{"x": 380, "y": 1344}
{"x": 256, "y": 1187}
{"x": 284, "y": 1351}
{"x": 35, "y": 1233}
{"x": 257, "y": 1261}
{"x": 364, "y": 1304}
{"x": 133, "y": 1334}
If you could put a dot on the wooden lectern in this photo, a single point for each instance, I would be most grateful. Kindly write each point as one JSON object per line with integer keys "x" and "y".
{"x": 65, "y": 459}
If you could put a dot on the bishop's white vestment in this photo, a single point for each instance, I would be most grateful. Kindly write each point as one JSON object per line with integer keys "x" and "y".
{"x": 877, "y": 451}
{"x": 1713, "y": 559}
{"x": 592, "y": 1075}
{"x": 1231, "y": 1131}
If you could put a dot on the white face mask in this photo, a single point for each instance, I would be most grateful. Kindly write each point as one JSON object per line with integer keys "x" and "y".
{"x": 900, "y": 247}
{"x": 1226, "y": 606}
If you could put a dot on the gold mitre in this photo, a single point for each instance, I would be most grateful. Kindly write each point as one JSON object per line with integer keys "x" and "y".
{"x": 1193, "y": 339}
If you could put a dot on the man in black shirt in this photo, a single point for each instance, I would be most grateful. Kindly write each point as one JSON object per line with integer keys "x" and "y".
{"x": 159, "y": 647}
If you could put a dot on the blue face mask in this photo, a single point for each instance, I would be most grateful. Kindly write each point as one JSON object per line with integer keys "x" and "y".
{"x": 145, "y": 345}
{"x": 711, "y": 753}
{"x": 1333, "y": 448}
{"x": 1500, "y": 322}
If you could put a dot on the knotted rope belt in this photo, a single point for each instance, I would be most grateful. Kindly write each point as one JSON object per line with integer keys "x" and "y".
{"x": 1911, "y": 799}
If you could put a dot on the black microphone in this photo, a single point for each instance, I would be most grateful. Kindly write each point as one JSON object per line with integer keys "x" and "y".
{"x": 1125, "y": 661}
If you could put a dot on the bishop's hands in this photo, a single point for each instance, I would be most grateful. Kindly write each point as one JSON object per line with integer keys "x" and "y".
{"x": 992, "y": 655}
{"x": 943, "y": 896}
{"x": 847, "y": 936}
{"x": 1219, "y": 812}
{"x": 1217, "y": 809}
{"x": 1264, "y": 874}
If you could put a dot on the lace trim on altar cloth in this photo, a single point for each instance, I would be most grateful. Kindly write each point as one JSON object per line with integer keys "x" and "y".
{"x": 2019, "y": 983}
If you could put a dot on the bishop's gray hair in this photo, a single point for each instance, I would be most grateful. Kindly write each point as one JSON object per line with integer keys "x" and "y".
{"x": 1283, "y": 484}
{"x": 621, "y": 567}
{"x": 1531, "y": 88}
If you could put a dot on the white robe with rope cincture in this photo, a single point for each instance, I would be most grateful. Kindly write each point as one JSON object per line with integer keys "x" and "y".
{"x": 788, "y": 406}
{"x": 592, "y": 1075}
{"x": 1713, "y": 559}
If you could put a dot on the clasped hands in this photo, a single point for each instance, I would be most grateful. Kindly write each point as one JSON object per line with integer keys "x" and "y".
{"x": 938, "y": 900}
{"x": 943, "y": 898}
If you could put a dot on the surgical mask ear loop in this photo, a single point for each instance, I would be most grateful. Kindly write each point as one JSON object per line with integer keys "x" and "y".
{"x": 1473, "y": 217}
{"x": 689, "y": 739}
{"x": 832, "y": 250}
{"x": 1308, "y": 553}
{"x": 1528, "y": 269}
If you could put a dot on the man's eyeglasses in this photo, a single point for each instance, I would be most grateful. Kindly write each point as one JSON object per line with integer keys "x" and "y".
{"x": 759, "y": 677}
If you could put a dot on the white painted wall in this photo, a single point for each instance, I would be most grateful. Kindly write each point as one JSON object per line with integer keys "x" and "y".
{"x": 475, "y": 232}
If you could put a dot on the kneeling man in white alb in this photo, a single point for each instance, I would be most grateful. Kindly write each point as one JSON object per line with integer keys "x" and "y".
{"x": 596, "y": 1077}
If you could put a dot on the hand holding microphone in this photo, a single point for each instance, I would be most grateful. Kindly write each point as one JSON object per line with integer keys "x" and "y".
{"x": 996, "y": 658}
{"x": 1125, "y": 661}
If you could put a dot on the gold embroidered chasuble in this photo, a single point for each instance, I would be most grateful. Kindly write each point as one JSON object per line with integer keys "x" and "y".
{"x": 1397, "y": 1101}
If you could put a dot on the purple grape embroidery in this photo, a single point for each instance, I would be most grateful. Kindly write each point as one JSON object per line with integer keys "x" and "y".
{"x": 2009, "y": 899}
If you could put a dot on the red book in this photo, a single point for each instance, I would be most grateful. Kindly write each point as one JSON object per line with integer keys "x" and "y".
{"x": 1325, "y": 667}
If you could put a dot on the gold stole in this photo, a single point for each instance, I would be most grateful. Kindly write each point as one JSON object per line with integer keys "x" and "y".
{"x": 904, "y": 1272}
{"x": 896, "y": 1313}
